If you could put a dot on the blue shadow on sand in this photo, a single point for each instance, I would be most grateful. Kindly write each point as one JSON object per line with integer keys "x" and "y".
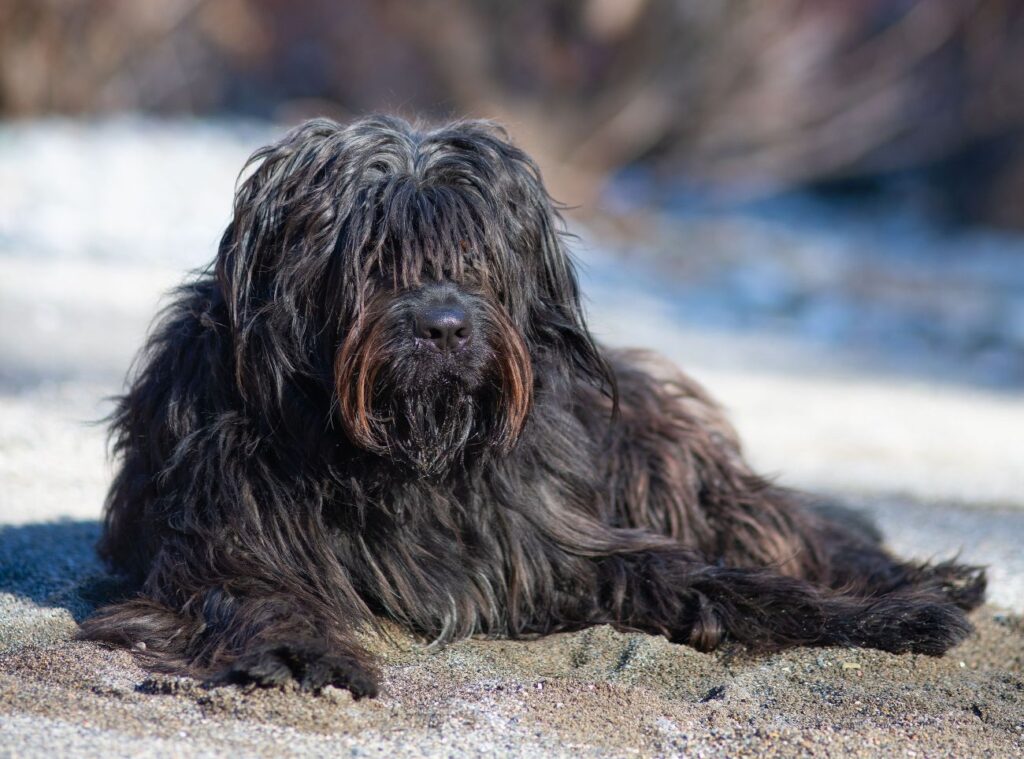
{"x": 54, "y": 564}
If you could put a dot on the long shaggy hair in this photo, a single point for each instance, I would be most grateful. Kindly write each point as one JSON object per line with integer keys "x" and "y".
{"x": 382, "y": 400}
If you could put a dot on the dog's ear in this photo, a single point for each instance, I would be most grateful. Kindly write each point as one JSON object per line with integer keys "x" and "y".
{"x": 277, "y": 249}
{"x": 564, "y": 317}
{"x": 554, "y": 302}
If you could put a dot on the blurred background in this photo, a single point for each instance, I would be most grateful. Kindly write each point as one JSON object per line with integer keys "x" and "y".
{"x": 822, "y": 168}
{"x": 816, "y": 207}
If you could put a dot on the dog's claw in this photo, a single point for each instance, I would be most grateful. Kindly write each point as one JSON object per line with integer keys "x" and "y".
{"x": 311, "y": 666}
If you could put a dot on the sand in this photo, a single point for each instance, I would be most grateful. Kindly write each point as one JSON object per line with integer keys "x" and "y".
{"x": 598, "y": 693}
{"x": 937, "y": 459}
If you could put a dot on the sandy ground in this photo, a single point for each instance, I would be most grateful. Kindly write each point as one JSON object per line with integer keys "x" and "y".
{"x": 939, "y": 463}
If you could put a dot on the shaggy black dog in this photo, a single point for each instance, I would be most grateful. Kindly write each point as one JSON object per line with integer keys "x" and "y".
{"x": 382, "y": 400}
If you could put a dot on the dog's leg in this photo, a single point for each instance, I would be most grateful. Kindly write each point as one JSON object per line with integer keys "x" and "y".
{"x": 692, "y": 602}
{"x": 247, "y": 629}
{"x": 246, "y": 589}
{"x": 673, "y": 466}
{"x": 217, "y": 516}
{"x": 244, "y": 585}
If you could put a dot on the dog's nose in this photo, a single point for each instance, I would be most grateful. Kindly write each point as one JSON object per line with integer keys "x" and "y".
{"x": 447, "y": 327}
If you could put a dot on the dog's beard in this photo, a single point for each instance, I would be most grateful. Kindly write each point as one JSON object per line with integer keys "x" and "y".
{"x": 430, "y": 431}
{"x": 427, "y": 415}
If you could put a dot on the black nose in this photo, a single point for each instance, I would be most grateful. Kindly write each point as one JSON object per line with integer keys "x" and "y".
{"x": 447, "y": 327}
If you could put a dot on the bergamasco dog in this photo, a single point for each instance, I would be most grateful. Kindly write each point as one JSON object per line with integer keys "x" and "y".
{"x": 382, "y": 401}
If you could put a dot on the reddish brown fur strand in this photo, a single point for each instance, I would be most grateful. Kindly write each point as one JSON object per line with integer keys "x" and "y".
{"x": 297, "y": 459}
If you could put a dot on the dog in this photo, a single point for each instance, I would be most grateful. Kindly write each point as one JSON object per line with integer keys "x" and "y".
{"x": 382, "y": 401}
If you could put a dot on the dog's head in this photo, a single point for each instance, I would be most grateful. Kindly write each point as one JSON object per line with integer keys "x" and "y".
{"x": 421, "y": 273}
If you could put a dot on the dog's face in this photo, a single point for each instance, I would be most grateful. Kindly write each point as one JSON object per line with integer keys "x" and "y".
{"x": 425, "y": 371}
{"x": 422, "y": 272}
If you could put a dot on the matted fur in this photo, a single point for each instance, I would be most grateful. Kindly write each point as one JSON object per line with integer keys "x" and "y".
{"x": 295, "y": 463}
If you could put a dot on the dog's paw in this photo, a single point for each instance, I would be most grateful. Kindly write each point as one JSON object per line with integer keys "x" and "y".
{"x": 913, "y": 625}
{"x": 312, "y": 666}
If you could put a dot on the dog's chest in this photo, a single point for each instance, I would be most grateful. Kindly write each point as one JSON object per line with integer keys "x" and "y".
{"x": 451, "y": 562}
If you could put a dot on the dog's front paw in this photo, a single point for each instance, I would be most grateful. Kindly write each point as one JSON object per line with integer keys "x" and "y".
{"x": 312, "y": 666}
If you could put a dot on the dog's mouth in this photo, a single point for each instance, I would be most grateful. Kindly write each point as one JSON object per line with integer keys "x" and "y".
{"x": 426, "y": 380}
{"x": 432, "y": 432}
